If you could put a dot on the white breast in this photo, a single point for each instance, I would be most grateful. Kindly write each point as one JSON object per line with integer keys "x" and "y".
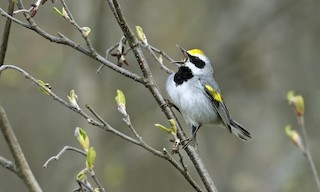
{"x": 192, "y": 101}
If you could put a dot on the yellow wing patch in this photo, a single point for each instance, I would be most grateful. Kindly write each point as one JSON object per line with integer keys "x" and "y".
{"x": 214, "y": 93}
{"x": 196, "y": 51}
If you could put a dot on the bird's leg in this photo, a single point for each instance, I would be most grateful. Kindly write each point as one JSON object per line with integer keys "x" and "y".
{"x": 193, "y": 138}
{"x": 170, "y": 104}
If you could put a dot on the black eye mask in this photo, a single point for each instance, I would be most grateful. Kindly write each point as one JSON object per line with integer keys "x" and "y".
{"x": 197, "y": 62}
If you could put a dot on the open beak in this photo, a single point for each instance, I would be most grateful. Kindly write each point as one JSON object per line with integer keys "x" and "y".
{"x": 185, "y": 54}
{"x": 184, "y": 51}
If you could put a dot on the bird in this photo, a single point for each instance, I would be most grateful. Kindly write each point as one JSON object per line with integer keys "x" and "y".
{"x": 197, "y": 96}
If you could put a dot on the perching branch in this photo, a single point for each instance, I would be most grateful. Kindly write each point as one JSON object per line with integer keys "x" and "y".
{"x": 153, "y": 88}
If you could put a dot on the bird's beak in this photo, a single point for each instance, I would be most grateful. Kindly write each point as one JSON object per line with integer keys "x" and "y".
{"x": 184, "y": 51}
{"x": 185, "y": 54}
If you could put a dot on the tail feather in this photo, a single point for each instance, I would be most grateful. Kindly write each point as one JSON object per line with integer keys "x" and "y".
{"x": 239, "y": 130}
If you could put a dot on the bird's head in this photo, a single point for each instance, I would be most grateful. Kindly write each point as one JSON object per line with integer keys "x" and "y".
{"x": 197, "y": 61}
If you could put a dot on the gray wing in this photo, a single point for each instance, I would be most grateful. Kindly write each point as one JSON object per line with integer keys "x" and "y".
{"x": 220, "y": 107}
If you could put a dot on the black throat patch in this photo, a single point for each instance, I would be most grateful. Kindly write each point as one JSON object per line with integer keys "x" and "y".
{"x": 184, "y": 74}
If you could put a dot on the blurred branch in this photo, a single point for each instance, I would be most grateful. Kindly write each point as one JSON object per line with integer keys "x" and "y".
{"x": 308, "y": 155}
{"x": 6, "y": 32}
{"x": 22, "y": 167}
{"x": 297, "y": 103}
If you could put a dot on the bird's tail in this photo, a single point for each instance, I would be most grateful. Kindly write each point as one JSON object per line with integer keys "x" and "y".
{"x": 239, "y": 130}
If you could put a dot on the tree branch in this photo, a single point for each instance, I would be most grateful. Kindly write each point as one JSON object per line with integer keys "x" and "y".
{"x": 6, "y": 32}
{"x": 66, "y": 148}
{"x": 8, "y": 165}
{"x": 307, "y": 151}
{"x": 23, "y": 170}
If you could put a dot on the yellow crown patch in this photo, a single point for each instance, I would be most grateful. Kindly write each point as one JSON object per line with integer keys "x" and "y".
{"x": 195, "y": 51}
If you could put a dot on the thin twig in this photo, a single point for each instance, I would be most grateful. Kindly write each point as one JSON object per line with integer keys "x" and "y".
{"x": 161, "y": 52}
{"x": 126, "y": 119}
{"x": 26, "y": 14}
{"x": 85, "y": 185}
{"x": 17, "y": 21}
{"x": 96, "y": 115}
{"x": 107, "y": 56}
{"x": 159, "y": 61}
{"x": 8, "y": 165}
{"x": 95, "y": 179}
{"x": 22, "y": 11}
{"x": 307, "y": 152}
{"x": 185, "y": 172}
{"x": 66, "y": 148}
{"x": 74, "y": 23}
{"x": 151, "y": 50}
{"x": 181, "y": 161}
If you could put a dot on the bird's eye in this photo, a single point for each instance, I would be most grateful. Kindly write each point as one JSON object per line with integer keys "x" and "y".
{"x": 194, "y": 59}
{"x": 197, "y": 62}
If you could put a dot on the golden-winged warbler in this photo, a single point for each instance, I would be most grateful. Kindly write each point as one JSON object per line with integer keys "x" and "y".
{"x": 196, "y": 94}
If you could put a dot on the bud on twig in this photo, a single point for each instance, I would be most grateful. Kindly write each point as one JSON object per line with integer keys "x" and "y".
{"x": 172, "y": 131}
{"x": 91, "y": 157}
{"x": 121, "y": 102}
{"x": 72, "y": 97}
{"x": 297, "y": 102}
{"x": 85, "y": 31}
{"x": 141, "y": 35}
{"x": 82, "y": 138}
{"x": 294, "y": 137}
{"x": 47, "y": 85}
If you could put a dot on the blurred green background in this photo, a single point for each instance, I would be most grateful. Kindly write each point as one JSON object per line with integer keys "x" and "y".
{"x": 260, "y": 50}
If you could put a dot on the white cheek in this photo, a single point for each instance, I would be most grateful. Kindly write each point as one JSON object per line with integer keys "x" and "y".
{"x": 195, "y": 70}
